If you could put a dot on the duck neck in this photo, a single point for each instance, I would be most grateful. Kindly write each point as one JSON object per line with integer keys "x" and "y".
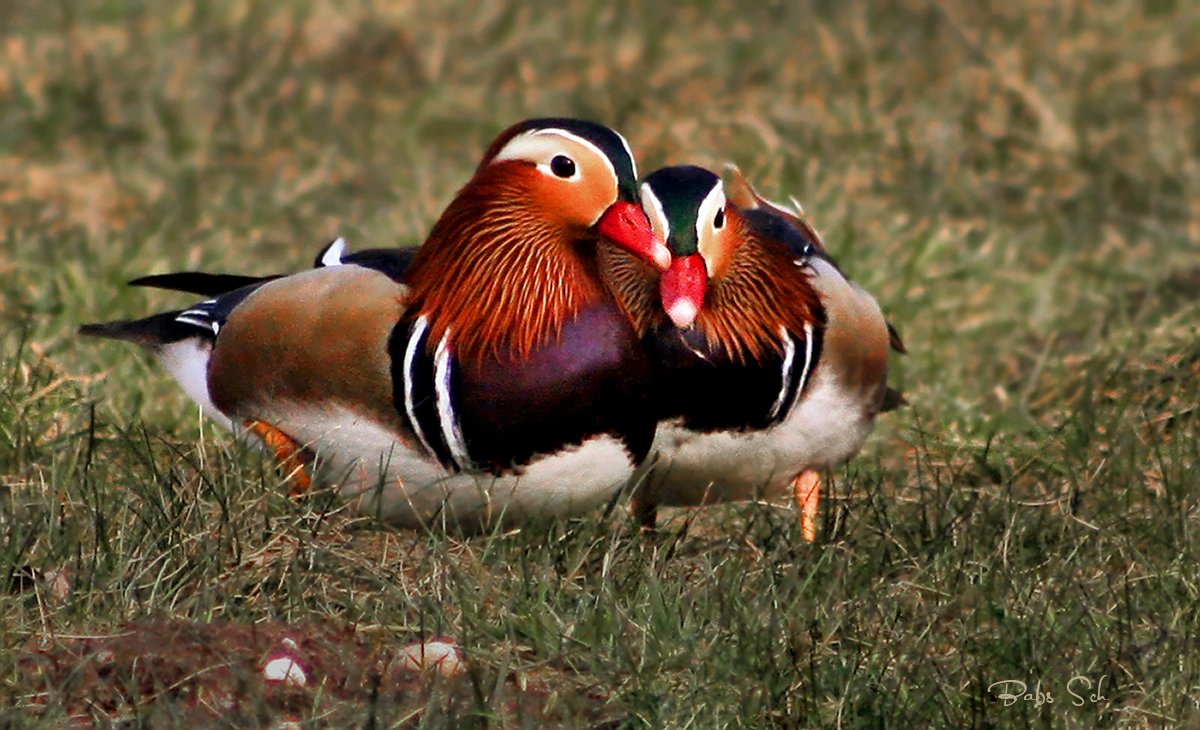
{"x": 499, "y": 277}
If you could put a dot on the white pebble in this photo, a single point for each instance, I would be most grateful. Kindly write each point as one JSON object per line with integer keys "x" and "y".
{"x": 285, "y": 669}
{"x": 441, "y": 656}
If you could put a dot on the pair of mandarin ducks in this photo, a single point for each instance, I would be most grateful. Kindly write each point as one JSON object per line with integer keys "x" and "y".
{"x": 562, "y": 333}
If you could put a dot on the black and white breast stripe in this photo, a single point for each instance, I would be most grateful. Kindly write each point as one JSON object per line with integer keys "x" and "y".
{"x": 428, "y": 399}
{"x": 794, "y": 373}
{"x": 793, "y": 381}
{"x": 447, "y": 418}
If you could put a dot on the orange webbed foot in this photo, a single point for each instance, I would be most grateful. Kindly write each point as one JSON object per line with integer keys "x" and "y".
{"x": 293, "y": 459}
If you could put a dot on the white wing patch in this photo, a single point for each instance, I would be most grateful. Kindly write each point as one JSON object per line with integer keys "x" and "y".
{"x": 201, "y": 316}
{"x": 332, "y": 256}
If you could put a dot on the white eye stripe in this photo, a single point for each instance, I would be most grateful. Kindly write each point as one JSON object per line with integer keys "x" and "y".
{"x": 544, "y": 144}
{"x": 705, "y": 216}
{"x": 654, "y": 211}
{"x": 628, "y": 153}
{"x": 707, "y": 213}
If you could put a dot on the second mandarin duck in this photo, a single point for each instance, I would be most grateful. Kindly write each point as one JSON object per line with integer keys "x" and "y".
{"x": 770, "y": 364}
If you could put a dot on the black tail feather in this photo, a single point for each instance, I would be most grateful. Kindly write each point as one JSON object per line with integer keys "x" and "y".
{"x": 391, "y": 262}
{"x": 152, "y": 331}
{"x": 892, "y": 399}
{"x": 199, "y": 282}
{"x": 895, "y": 341}
{"x": 228, "y": 291}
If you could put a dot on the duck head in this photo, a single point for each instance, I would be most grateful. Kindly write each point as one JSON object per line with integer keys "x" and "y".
{"x": 513, "y": 256}
{"x": 686, "y": 206}
{"x": 737, "y": 275}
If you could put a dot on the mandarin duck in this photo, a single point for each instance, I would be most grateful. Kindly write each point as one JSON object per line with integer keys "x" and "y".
{"x": 770, "y": 365}
{"x": 490, "y": 378}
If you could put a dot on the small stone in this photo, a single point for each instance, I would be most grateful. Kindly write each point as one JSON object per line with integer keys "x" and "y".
{"x": 443, "y": 657}
{"x": 285, "y": 668}
{"x": 58, "y": 583}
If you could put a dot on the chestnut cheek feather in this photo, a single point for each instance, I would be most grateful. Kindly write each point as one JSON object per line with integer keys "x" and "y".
{"x": 626, "y": 224}
{"x": 682, "y": 289}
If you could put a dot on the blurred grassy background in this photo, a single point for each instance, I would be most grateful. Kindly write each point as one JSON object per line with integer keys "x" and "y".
{"x": 1016, "y": 182}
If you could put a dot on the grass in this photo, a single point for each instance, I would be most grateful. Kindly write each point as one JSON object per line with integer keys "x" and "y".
{"x": 1016, "y": 183}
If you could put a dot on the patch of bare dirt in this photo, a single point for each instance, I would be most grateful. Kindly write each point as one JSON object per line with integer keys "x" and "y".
{"x": 180, "y": 673}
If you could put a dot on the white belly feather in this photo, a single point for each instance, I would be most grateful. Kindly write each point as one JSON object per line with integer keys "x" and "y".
{"x": 187, "y": 362}
{"x": 402, "y": 485}
{"x": 823, "y": 430}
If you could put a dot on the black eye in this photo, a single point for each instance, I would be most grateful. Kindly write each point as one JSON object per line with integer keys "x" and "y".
{"x": 562, "y": 166}
{"x": 719, "y": 221}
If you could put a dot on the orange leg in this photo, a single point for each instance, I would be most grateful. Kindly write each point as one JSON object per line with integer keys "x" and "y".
{"x": 292, "y": 458}
{"x": 807, "y": 489}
